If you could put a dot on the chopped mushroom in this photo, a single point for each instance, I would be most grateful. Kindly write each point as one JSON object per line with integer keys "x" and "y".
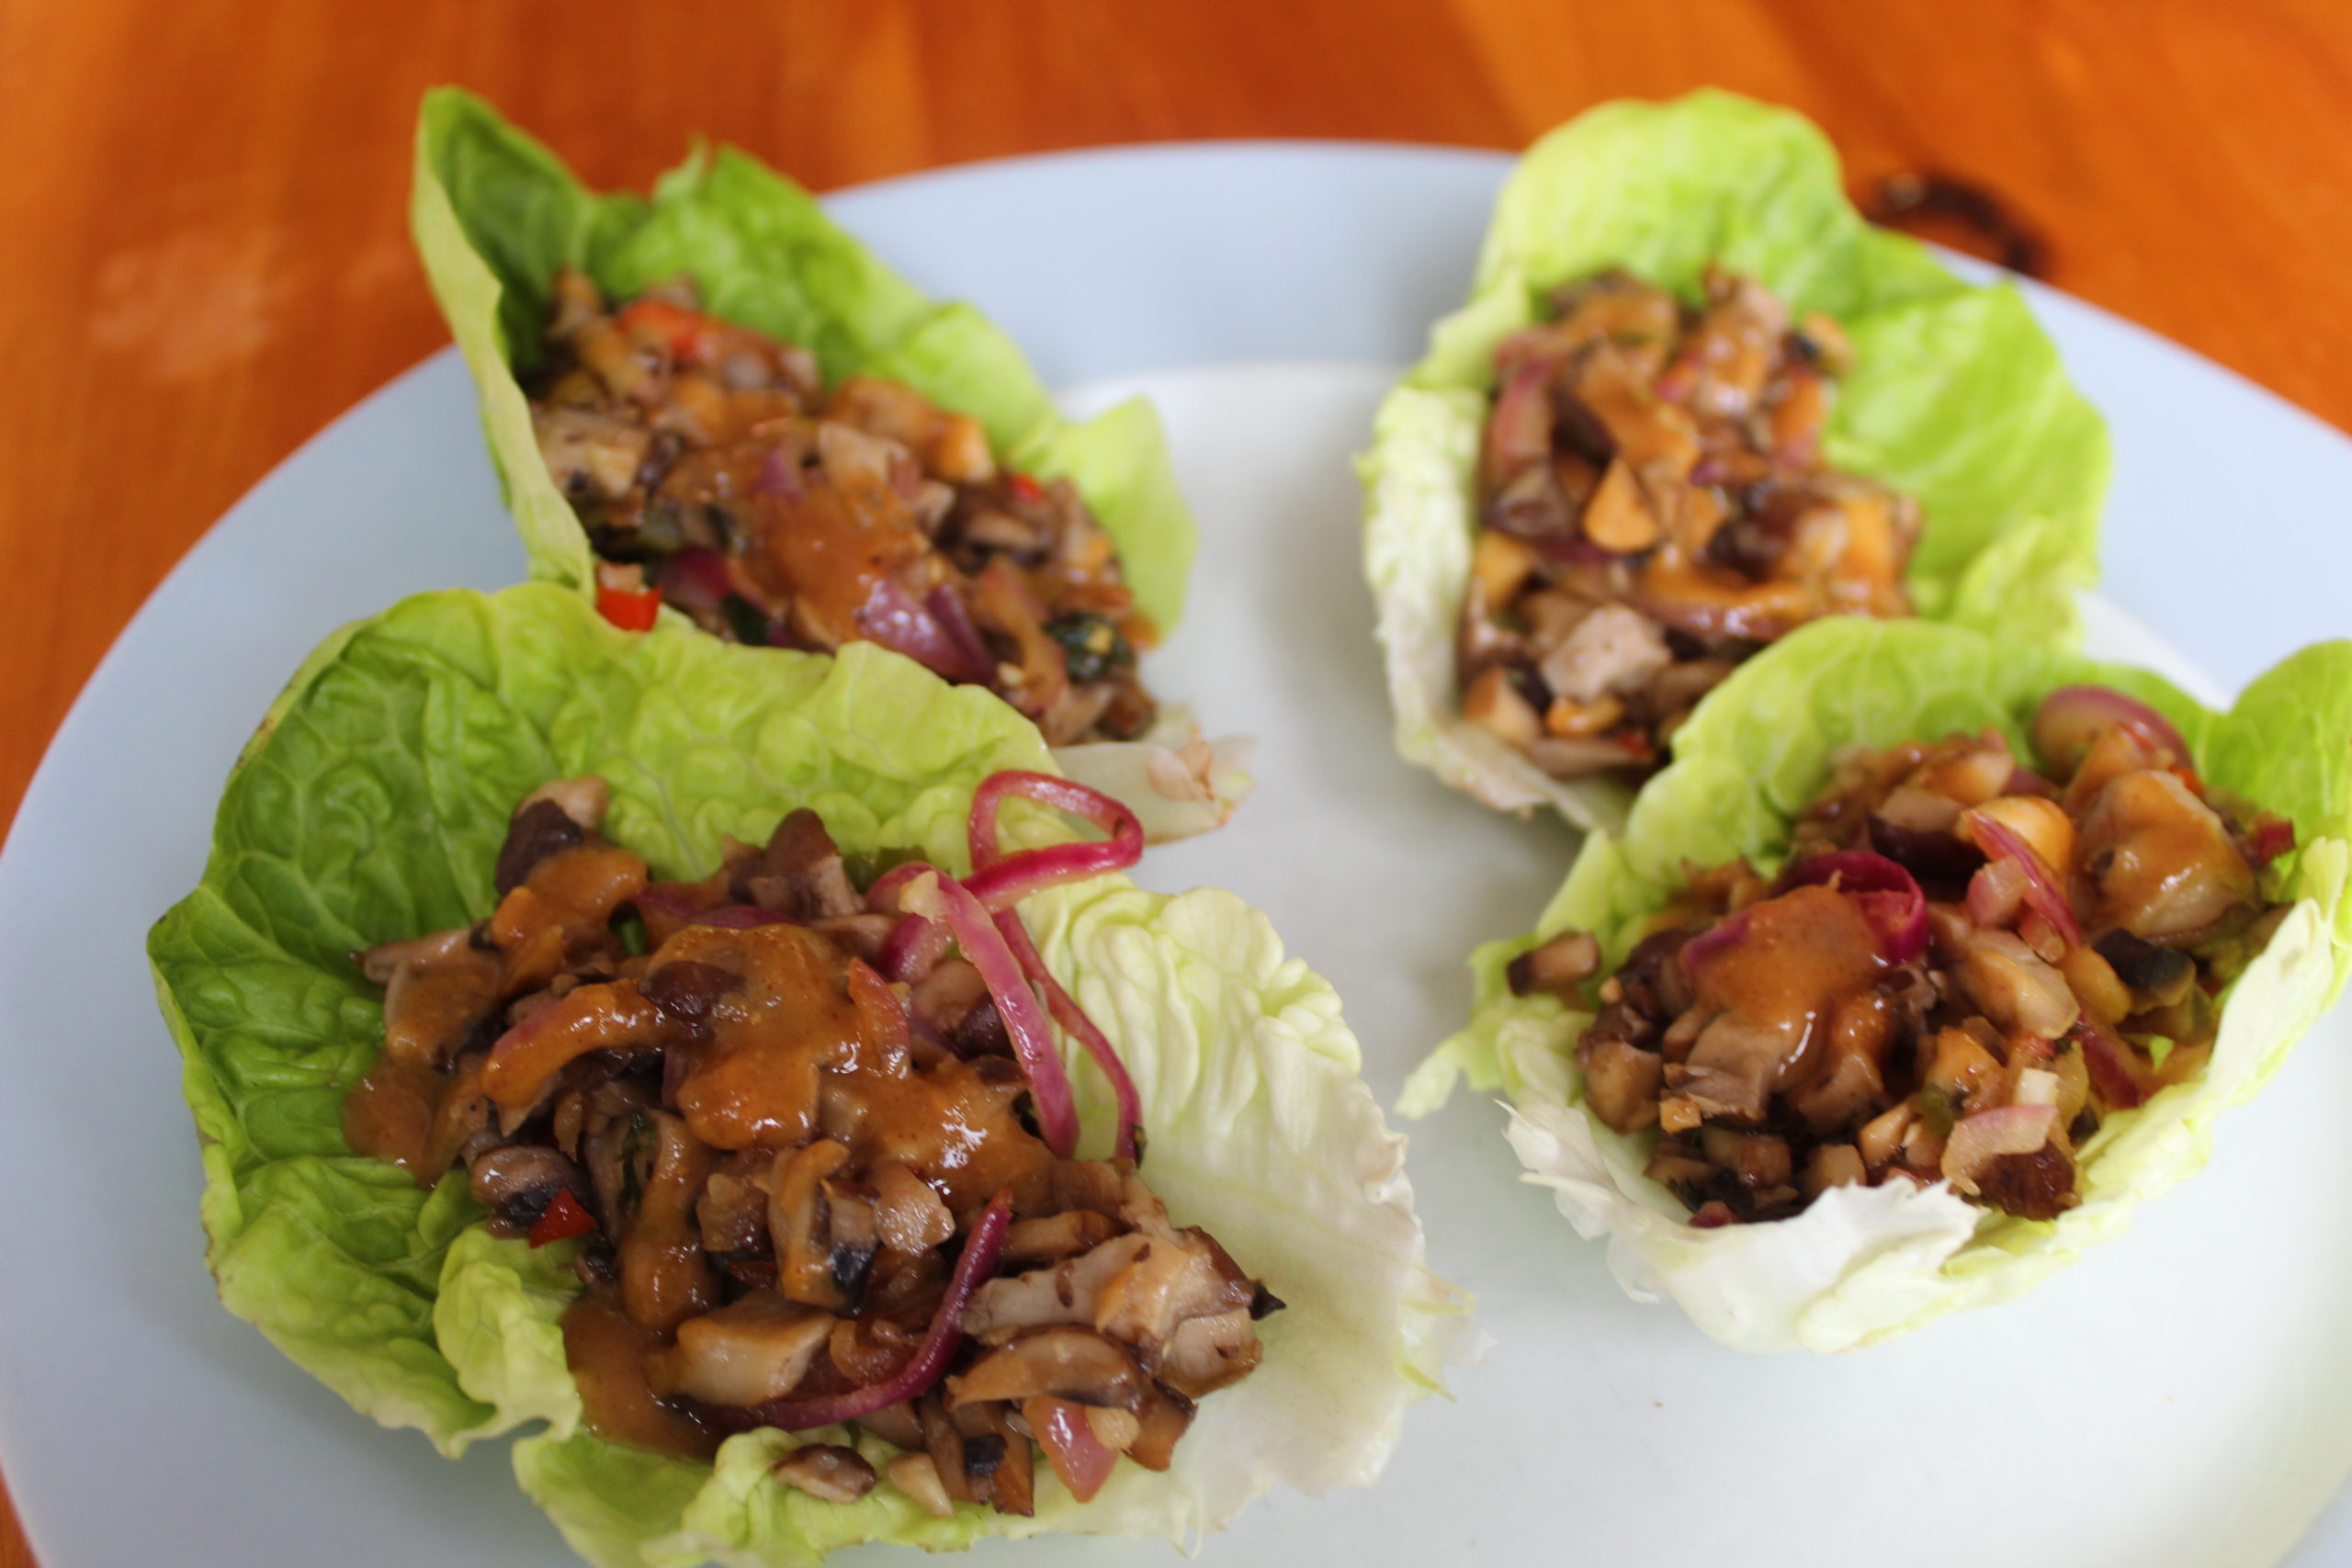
{"x": 827, "y": 1472}
{"x": 747, "y": 1352}
{"x": 789, "y": 1199}
{"x": 1965, "y": 967}
{"x": 1654, "y": 506}
{"x": 711, "y": 457}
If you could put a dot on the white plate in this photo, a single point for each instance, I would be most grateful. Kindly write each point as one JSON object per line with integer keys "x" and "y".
{"x": 2184, "y": 1397}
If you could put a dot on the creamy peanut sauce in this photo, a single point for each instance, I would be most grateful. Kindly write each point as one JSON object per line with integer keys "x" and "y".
{"x": 714, "y": 473}
{"x": 607, "y": 1354}
{"x": 773, "y": 1161}
{"x": 1800, "y": 957}
{"x": 2015, "y": 958}
{"x": 390, "y": 1114}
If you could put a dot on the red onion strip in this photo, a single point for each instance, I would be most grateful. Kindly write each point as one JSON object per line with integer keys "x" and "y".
{"x": 1987, "y": 1135}
{"x": 1123, "y": 848}
{"x": 1073, "y": 1018}
{"x": 1889, "y": 897}
{"x": 2072, "y": 716}
{"x": 914, "y": 945}
{"x": 1078, "y": 1456}
{"x": 948, "y": 609}
{"x": 2111, "y": 1064}
{"x": 939, "y": 1344}
{"x": 1701, "y": 950}
{"x": 1000, "y": 881}
{"x": 945, "y": 899}
{"x": 1016, "y": 876}
{"x": 2042, "y": 888}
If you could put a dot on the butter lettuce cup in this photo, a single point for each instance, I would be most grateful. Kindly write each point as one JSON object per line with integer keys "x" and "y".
{"x": 1695, "y": 401}
{"x": 1928, "y": 960}
{"x": 713, "y": 404}
{"x": 749, "y": 1071}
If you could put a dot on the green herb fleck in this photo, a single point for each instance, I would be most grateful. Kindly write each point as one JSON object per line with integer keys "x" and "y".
{"x": 1091, "y": 646}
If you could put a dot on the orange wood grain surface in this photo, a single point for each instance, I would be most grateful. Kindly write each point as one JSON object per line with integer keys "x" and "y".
{"x": 203, "y": 250}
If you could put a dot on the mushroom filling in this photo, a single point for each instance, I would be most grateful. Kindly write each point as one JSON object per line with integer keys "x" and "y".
{"x": 811, "y": 1161}
{"x": 1653, "y": 508}
{"x": 1966, "y": 965}
{"x": 715, "y": 472}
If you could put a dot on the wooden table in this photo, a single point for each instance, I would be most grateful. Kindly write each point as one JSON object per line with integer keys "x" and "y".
{"x": 206, "y": 254}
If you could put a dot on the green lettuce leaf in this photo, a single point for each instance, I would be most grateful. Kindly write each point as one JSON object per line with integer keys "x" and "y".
{"x": 494, "y": 214}
{"x": 371, "y": 806}
{"x": 1863, "y": 1263}
{"x": 1957, "y": 396}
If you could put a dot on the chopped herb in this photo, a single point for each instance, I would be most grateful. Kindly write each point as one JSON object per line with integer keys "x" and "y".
{"x": 1091, "y": 646}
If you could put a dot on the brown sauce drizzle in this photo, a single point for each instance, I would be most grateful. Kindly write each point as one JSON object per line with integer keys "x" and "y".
{"x": 390, "y": 1114}
{"x": 607, "y": 1354}
{"x": 1804, "y": 953}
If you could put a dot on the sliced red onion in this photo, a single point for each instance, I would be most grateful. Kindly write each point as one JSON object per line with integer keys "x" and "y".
{"x": 1704, "y": 948}
{"x": 943, "y": 898}
{"x": 2025, "y": 781}
{"x": 697, "y": 578}
{"x": 915, "y": 945}
{"x": 1977, "y": 1141}
{"x": 914, "y": 949}
{"x": 896, "y": 619}
{"x": 1123, "y": 850}
{"x": 2042, "y": 888}
{"x": 1073, "y": 1018}
{"x": 883, "y": 897}
{"x": 1519, "y": 431}
{"x": 2071, "y": 718}
{"x": 1995, "y": 893}
{"x": 946, "y": 607}
{"x": 1082, "y": 1460}
{"x": 940, "y": 1343}
{"x": 1889, "y": 895}
{"x": 2112, "y": 1062}
{"x": 667, "y": 906}
{"x": 1016, "y": 876}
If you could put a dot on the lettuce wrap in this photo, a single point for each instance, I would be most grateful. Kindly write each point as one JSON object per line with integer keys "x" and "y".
{"x": 494, "y": 214}
{"x": 371, "y": 805}
{"x": 1956, "y": 396}
{"x": 1864, "y": 1263}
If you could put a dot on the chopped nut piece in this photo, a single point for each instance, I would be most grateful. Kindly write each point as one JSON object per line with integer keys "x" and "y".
{"x": 1665, "y": 463}
{"x": 1618, "y": 518}
{"x": 1492, "y": 701}
{"x": 1501, "y": 564}
{"x": 827, "y": 1471}
{"x": 1565, "y": 960}
{"x": 915, "y": 1475}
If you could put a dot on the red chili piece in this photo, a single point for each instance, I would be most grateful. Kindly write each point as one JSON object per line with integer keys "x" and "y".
{"x": 563, "y": 1219}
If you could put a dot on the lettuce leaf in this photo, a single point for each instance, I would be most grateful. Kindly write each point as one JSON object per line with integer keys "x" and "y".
{"x": 1863, "y": 1264}
{"x": 1957, "y": 396}
{"x": 494, "y": 214}
{"x": 371, "y": 805}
